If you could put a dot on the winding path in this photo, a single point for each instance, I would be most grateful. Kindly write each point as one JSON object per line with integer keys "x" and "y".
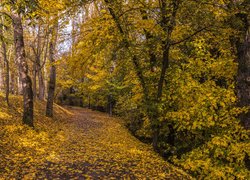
{"x": 100, "y": 147}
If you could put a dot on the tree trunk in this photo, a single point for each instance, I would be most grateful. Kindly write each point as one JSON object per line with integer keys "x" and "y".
{"x": 41, "y": 84}
{"x": 167, "y": 24}
{"x": 19, "y": 82}
{"x": 45, "y": 56}
{"x": 13, "y": 82}
{"x": 39, "y": 65}
{"x": 7, "y": 70}
{"x": 243, "y": 78}
{"x": 34, "y": 79}
{"x": 52, "y": 79}
{"x": 26, "y": 80}
{"x": 1, "y": 76}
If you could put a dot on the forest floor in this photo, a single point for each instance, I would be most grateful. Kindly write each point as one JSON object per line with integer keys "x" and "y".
{"x": 76, "y": 144}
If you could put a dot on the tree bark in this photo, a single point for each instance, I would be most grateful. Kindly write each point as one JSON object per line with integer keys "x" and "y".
{"x": 39, "y": 67}
{"x": 22, "y": 63}
{"x": 42, "y": 72}
{"x": 7, "y": 70}
{"x": 243, "y": 78}
{"x": 1, "y": 75}
{"x": 41, "y": 84}
{"x": 52, "y": 79}
{"x": 13, "y": 83}
{"x": 19, "y": 81}
{"x": 34, "y": 79}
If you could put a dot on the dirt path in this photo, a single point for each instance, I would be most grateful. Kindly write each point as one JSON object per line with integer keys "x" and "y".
{"x": 99, "y": 147}
{"x": 77, "y": 144}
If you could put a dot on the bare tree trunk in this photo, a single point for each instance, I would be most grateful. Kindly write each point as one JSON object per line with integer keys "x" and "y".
{"x": 38, "y": 65}
{"x": 7, "y": 70}
{"x": 34, "y": 79}
{"x": 19, "y": 82}
{"x": 26, "y": 80}
{"x": 243, "y": 78}
{"x": 52, "y": 77}
{"x": 41, "y": 84}
{"x": 12, "y": 83}
{"x": 1, "y": 75}
{"x": 45, "y": 81}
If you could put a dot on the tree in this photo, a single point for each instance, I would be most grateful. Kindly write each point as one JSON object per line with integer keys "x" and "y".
{"x": 6, "y": 62}
{"x": 173, "y": 78}
{"x": 166, "y": 22}
{"x": 243, "y": 57}
{"x": 17, "y": 10}
{"x": 38, "y": 55}
{"x": 26, "y": 80}
{"x": 52, "y": 77}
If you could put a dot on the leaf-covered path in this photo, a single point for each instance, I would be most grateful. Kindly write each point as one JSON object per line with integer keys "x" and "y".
{"x": 99, "y": 146}
{"x": 76, "y": 144}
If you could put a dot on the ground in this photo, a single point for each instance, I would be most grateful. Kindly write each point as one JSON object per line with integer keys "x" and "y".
{"x": 76, "y": 144}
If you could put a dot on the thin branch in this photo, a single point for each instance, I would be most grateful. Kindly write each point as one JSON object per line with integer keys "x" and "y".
{"x": 6, "y": 14}
{"x": 189, "y": 37}
{"x": 129, "y": 11}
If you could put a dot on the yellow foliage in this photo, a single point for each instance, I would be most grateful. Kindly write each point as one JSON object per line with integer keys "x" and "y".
{"x": 77, "y": 143}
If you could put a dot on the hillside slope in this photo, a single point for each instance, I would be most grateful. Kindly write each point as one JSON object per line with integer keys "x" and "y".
{"x": 77, "y": 143}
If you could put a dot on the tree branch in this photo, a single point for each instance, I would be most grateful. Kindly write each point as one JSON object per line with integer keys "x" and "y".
{"x": 6, "y": 14}
{"x": 189, "y": 37}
